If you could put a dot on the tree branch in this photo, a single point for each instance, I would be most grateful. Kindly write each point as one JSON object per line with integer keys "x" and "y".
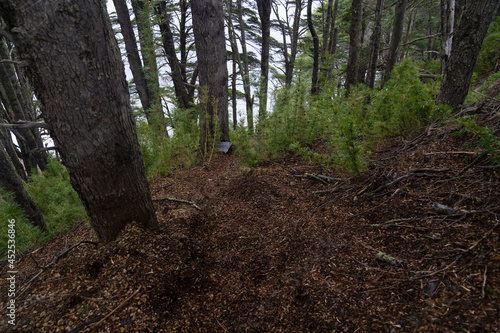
{"x": 25, "y": 124}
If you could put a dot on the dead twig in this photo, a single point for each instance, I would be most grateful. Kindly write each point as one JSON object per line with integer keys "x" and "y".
{"x": 395, "y": 181}
{"x": 179, "y": 200}
{"x": 484, "y": 282}
{"x": 471, "y": 164}
{"x": 485, "y": 236}
{"x": 117, "y": 308}
{"x": 26, "y": 286}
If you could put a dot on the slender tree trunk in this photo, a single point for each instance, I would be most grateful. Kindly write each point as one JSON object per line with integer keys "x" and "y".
{"x": 264, "y": 7}
{"x": 354, "y": 43}
{"x": 372, "y": 68}
{"x": 133, "y": 57}
{"x": 142, "y": 12}
{"x": 18, "y": 107}
{"x": 11, "y": 182}
{"x": 397, "y": 33}
{"x": 314, "y": 83}
{"x": 175, "y": 66}
{"x": 245, "y": 72}
{"x": 11, "y": 152}
{"x": 85, "y": 98}
{"x": 208, "y": 27}
{"x": 235, "y": 62}
{"x": 294, "y": 42}
{"x": 332, "y": 43}
{"x": 467, "y": 41}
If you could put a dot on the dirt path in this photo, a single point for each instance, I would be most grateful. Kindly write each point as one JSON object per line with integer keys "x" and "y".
{"x": 280, "y": 249}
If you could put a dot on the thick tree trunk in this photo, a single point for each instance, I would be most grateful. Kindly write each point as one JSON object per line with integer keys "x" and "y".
{"x": 208, "y": 27}
{"x": 397, "y": 34}
{"x": 354, "y": 43}
{"x": 79, "y": 79}
{"x": 11, "y": 182}
{"x": 467, "y": 41}
{"x": 312, "y": 30}
{"x": 264, "y": 7}
{"x": 377, "y": 30}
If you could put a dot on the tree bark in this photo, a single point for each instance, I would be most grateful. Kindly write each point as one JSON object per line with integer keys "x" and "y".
{"x": 467, "y": 41}
{"x": 208, "y": 27}
{"x": 397, "y": 34}
{"x": 377, "y": 30}
{"x": 447, "y": 27}
{"x": 11, "y": 182}
{"x": 79, "y": 79}
{"x": 354, "y": 44}
{"x": 312, "y": 30}
{"x": 264, "y": 7}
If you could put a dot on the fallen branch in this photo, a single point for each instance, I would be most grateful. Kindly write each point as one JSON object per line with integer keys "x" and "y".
{"x": 395, "y": 181}
{"x": 179, "y": 200}
{"x": 330, "y": 190}
{"x": 391, "y": 222}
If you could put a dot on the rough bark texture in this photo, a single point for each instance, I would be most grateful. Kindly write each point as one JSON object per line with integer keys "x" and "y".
{"x": 208, "y": 26}
{"x": 264, "y": 7}
{"x": 372, "y": 68}
{"x": 11, "y": 182}
{"x": 354, "y": 43}
{"x": 397, "y": 34}
{"x": 79, "y": 79}
{"x": 467, "y": 41}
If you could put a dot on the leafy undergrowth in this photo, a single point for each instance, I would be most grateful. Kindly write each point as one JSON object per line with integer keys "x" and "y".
{"x": 278, "y": 248}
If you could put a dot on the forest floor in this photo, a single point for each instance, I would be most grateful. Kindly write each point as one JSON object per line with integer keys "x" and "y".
{"x": 412, "y": 245}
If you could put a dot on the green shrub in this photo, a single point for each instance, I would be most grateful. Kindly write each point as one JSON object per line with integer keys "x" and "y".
{"x": 55, "y": 198}
{"x": 163, "y": 156}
